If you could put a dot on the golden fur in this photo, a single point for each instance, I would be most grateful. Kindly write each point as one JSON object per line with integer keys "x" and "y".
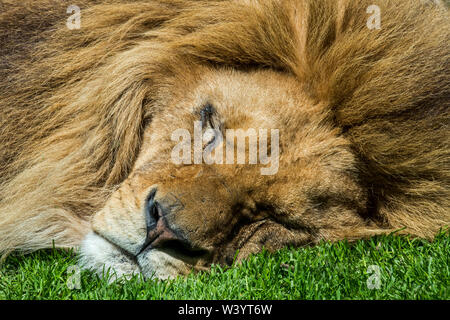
{"x": 76, "y": 107}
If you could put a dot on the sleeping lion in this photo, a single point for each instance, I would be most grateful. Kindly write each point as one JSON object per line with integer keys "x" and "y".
{"x": 159, "y": 137}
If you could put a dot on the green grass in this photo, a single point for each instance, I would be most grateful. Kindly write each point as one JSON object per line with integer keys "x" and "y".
{"x": 409, "y": 269}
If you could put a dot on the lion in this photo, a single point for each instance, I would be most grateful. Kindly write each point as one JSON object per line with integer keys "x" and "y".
{"x": 353, "y": 109}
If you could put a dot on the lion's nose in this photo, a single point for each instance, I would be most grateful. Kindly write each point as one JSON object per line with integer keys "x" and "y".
{"x": 158, "y": 230}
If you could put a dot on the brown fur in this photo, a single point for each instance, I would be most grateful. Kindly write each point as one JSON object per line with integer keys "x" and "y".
{"x": 75, "y": 105}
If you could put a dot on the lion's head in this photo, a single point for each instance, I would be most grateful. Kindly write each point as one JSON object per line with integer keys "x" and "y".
{"x": 173, "y": 216}
{"x": 170, "y": 135}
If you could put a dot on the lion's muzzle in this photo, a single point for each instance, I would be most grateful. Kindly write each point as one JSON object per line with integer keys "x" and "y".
{"x": 159, "y": 233}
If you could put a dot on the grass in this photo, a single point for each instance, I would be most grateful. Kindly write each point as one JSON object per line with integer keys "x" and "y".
{"x": 408, "y": 268}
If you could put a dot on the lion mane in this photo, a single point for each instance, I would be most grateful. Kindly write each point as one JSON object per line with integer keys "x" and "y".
{"x": 73, "y": 103}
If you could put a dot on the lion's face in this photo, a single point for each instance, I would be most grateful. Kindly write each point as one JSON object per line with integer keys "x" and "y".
{"x": 176, "y": 213}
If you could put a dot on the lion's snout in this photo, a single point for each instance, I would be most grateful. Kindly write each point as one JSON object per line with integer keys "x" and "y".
{"x": 159, "y": 233}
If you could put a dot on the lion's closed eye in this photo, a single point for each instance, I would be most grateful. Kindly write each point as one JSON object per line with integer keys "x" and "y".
{"x": 211, "y": 126}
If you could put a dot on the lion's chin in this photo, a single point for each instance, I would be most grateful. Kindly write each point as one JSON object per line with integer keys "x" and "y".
{"x": 104, "y": 258}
